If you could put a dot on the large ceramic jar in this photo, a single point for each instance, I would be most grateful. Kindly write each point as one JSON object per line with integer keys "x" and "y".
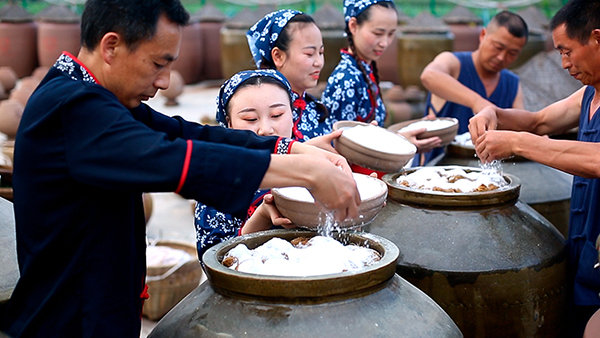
{"x": 387, "y": 65}
{"x": 330, "y": 21}
{"x": 235, "y": 52}
{"x": 419, "y": 42}
{"x": 490, "y": 261}
{"x": 545, "y": 189}
{"x": 536, "y": 43}
{"x": 9, "y": 274}
{"x": 466, "y": 28}
{"x": 189, "y": 63}
{"x": 374, "y": 302}
{"x": 538, "y": 22}
{"x": 18, "y": 46}
{"x": 58, "y": 31}
{"x": 211, "y": 21}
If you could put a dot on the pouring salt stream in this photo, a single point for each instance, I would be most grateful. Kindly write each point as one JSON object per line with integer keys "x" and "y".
{"x": 278, "y": 257}
{"x": 304, "y": 256}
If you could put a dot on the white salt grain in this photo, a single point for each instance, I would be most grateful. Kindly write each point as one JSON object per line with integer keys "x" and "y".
{"x": 163, "y": 255}
{"x": 379, "y": 139}
{"x": 428, "y": 178}
{"x": 321, "y": 256}
{"x": 368, "y": 187}
{"x": 430, "y": 125}
{"x": 464, "y": 140}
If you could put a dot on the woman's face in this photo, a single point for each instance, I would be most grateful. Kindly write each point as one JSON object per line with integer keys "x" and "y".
{"x": 265, "y": 109}
{"x": 303, "y": 62}
{"x": 375, "y": 35}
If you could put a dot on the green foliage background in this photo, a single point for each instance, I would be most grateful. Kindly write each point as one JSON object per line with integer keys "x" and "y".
{"x": 229, "y": 8}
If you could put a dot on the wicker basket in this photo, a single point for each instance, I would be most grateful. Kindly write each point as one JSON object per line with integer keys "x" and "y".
{"x": 167, "y": 285}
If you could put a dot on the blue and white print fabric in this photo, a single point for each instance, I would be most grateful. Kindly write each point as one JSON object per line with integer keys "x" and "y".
{"x": 347, "y": 96}
{"x": 231, "y": 85}
{"x": 263, "y": 35}
{"x": 306, "y": 120}
{"x": 353, "y": 8}
{"x": 213, "y": 226}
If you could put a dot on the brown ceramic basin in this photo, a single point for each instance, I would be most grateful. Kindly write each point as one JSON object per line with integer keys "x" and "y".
{"x": 309, "y": 214}
{"x": 228, "y": 281}
{"x": 368, "y": 157}
{"x": 446, "y": 134}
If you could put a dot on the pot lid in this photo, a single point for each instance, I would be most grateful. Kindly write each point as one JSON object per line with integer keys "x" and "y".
{"x": 247, "y": 17}
{"x": 329, "y": 18}
{"x": 425, "y": 23}
{"x": 15, "y": 14}
{"x": 210, "y": 13}
{"x": 536, "y": 21}
{"x": 402, "y": 17}
{"x": 57, "y": 14}
{"x": 461, "y": 15}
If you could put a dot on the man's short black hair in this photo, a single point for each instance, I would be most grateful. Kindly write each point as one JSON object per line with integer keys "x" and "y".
{"x": 580, "y": 17}
{"x": 135, "y": 20}
{"x": 513, "y": 22}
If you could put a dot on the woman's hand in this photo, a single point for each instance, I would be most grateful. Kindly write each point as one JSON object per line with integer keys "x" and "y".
{"x": 266, "y": 216}
{"x": 423, "y": 145}
{"x": 324, "y": 142}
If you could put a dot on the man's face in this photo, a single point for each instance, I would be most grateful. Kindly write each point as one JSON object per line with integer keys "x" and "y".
{"x": 580, "y": 60}
{"x": 136, "y": 75}
{"x": 498, "y": 48}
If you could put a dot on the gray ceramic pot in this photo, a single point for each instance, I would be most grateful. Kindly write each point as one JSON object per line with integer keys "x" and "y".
{"x": 494, "y": 264}
{"x": 375, "y": 302}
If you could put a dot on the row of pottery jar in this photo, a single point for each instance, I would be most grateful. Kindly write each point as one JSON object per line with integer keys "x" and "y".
{"x": 492, "y": 262}
{"x": 30, "y": 41}
{"x": 373, "y": 302}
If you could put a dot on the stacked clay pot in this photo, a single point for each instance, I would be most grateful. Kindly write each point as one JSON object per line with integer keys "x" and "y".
{"x": 18, "y": 34}
{"x": 466, "y": 28}
{"x": 58, "y": 31}
{"x": 211, "y": 21}
{"x": 419, "y": 42}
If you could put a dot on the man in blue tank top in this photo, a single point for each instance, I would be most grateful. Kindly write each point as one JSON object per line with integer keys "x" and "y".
{"x": 576, "y": 35}
{"x": 462, "y": 83}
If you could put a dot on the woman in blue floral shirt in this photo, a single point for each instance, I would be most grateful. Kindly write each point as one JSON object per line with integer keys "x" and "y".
{"x": 352, "y": 91}
{"x": 290, "y": 42}
{"x": 260, "y": 101}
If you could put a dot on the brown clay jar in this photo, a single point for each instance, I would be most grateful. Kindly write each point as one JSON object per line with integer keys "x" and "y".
{"x": 494, "y": 264}
{"x": 10, "y": 117}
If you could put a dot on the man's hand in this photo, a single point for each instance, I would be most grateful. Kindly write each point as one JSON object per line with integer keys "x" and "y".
{"x": 484, "y": 120}
{"x": 495, "y": 145}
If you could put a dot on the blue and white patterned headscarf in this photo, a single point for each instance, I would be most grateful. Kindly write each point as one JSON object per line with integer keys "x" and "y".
{"x": 352, "y": 8}
{"x": 263, "y": 35}
{"x": 231, "y": 85}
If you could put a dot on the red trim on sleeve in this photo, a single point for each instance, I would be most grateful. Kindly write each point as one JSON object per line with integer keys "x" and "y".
{"x": 186, "y": 166}
{"x": 81, "y": 64}
{"x": 290, "y": 146}
{"x": 277, "y": 144}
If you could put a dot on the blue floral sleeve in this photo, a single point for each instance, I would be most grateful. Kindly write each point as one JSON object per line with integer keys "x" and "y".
{"x": 346, "y": 95}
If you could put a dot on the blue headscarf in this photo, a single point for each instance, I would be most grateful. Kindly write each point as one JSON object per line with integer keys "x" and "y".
{"x": 263, "y": 35}
{"x": 353, "y": 8}
{"x": 231, "y": 85}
